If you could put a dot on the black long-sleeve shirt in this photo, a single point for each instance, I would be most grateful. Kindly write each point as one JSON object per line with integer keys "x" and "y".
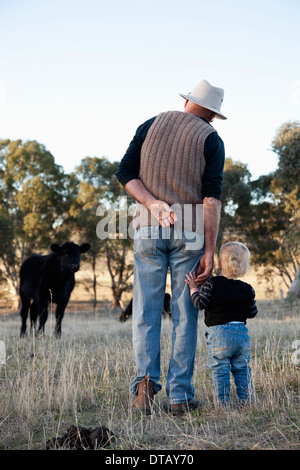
{"x": 225, "y": 300}
{"x": 214, "y": 154}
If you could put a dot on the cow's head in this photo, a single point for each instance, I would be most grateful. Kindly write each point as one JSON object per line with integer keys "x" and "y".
{"x": 70, "y": 254}
{"x": 123, "y": 316}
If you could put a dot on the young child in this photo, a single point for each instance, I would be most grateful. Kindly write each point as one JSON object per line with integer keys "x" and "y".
{"x": 228, "y": 302}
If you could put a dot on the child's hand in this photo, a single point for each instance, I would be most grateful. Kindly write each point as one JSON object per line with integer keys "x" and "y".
{"x": 191, "y": 280}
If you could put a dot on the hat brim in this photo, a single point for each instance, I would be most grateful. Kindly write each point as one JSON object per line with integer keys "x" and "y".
{"x": 204, "y": 105}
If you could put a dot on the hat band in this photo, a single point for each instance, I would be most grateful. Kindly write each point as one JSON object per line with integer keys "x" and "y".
{"x": 204, "y": 104}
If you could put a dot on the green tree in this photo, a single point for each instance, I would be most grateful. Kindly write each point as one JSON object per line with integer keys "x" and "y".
{"x": 236, "y": 199}
{"x": 265, "y": 213}
{"x": 286, "y": 185}
{"x": 9, "y": 267}
{"x": 268, "y": 231}
{"x": 286, "y": 144}
{"x": 33, "y": 203}
{"x": 97, "y": 187}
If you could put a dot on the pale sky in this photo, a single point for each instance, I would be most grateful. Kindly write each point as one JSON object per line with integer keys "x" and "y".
{"x": 79, "y": 76}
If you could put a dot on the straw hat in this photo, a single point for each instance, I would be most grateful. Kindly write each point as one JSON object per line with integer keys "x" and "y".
{"x": 207, "y": 96}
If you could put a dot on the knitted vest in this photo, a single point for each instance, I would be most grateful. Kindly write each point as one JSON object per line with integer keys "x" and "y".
{"x": 172, "y": 165}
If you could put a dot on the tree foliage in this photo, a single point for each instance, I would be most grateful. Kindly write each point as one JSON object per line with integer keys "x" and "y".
{"x": 265, "y": 213}
{"x": 33, "y": 202}
{"x": 98, "y": 186}
{"x": 41, "y": 204}
{"x": 286, "y": 144}
{"x": 236, "y": 198}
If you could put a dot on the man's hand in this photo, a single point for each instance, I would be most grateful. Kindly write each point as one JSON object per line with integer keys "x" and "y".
{"x": 205, "y": 268}
{"x": 212, "y": 209}
{"x": 162, "y": 212}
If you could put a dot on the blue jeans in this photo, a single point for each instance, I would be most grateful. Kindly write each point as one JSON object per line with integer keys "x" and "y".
{"x": 155, "y": 250}
{"x": 229, "y": 351}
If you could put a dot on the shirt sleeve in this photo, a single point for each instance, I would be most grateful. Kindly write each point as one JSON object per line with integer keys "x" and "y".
{"x": 129, "y": 167}
{"x": 252, "y": 305}
{"x": 202, "y": 298}
{"x": 214, "y": 153}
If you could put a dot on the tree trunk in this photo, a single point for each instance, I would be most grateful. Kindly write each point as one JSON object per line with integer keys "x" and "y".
{"x": 117, "y": 293}
{"x": 294, "y": 290}
{"x": 15, "y": 303}
{"x": 94, "y": 284}
{"x": 95, "y": 293}
{"x": 14, "y": 291}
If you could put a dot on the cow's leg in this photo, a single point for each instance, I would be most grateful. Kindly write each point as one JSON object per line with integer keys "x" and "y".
{"x": 43, "y": 315}
{"x": 24, "y": 313}
{"x": 33, "y": 315}
{"x": 60, "y": 311}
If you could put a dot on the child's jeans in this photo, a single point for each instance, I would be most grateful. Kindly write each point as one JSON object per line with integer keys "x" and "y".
{"x": 228, "y": 351}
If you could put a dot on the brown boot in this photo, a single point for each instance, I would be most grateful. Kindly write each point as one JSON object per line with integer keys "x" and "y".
{"x": 181, "y": 408}
{"x": 145, "y": 397}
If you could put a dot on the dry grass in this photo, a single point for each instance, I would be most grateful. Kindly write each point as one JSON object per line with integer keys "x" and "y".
{"x": 49, "y": 384}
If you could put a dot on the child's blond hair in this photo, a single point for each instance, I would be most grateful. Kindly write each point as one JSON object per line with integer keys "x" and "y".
{"x": 234, "y": 258}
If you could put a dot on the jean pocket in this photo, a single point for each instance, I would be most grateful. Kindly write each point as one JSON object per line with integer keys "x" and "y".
{"x": 145, "y": 239}
{"x": 191, "y": 244}
{"x": 244, "y": 347}
{"x": 220, "y": 346}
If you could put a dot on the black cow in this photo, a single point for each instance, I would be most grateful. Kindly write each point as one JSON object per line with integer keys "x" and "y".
{"x": 166, "y": 309}
{"x": 49, "y": 278}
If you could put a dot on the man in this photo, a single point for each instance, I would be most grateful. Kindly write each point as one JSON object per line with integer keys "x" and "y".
{"x": 173, "y": 166}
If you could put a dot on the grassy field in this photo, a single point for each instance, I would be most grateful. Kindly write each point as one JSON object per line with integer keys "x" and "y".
{"x": 49, "y": 384}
